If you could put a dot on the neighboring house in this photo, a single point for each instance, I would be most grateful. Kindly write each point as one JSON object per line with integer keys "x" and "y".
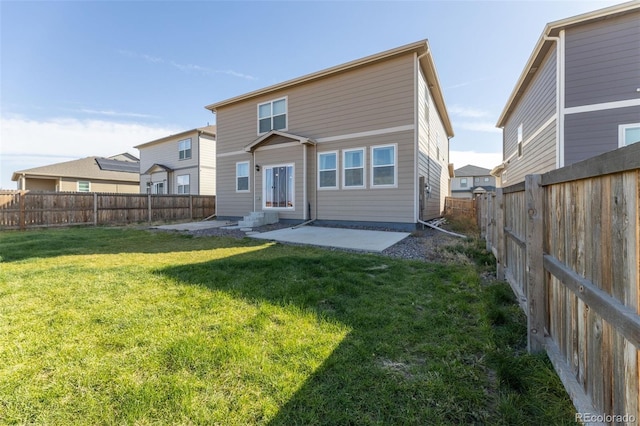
{"x": 184, "y": 163}
{"x": 363, "y": 142}
{"x": 469, "y": 181}
{"x": 578, "y": 96}
{"x": 118, "y": 174}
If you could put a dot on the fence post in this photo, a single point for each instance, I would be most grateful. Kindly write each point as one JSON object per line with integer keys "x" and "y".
{"x": 536, "y": 317}
{"x": 490, "y": 215}
{"x": 500, "y": 243}
{"x": 22, "y": 219}
{"x": 95, "y": 209}
{"x": 191, "y": 206}
{"x": 149, "y": 206}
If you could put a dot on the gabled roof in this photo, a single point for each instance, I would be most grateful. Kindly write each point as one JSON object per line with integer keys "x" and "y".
{"x": 470, "y": 170}
{"x": 262, "y": 139}
{"x": 207, "y": 130}
{"x": 421, "y": 48}
{"x": 84, "y": 168}
{"x": 157, "y": 168}
{"x": 543, "y": 45}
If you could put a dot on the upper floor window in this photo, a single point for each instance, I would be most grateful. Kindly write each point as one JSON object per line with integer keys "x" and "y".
{"x": 84, "y": 186}
{"x": 328, "y": 170}
{"x": 184, "y": 149}
{"x": 628, "y": 134}
{"x": 242, "y": 176}
{"x": 353, "y": 165}
{"x": 463, "y": 182}
{"x": 272, "y": 115}
{"x": 383, "y": 165}
{"x": 183, "y": 184}
{"x": 520, "y": 140}
{"x": 486, "y": 179}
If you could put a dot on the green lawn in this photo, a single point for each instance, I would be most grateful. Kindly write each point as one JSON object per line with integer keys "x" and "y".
{"x": 121, "y": 326}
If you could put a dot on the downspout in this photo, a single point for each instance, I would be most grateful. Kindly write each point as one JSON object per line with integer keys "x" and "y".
{"x": 199, "y": 170}
{"x": 304, "y": 182}
{"x": 559, "y": 96}
{"x": 416, "y": 132}
{"x": 316, "y": 179}
{"x": 255, "y": 172}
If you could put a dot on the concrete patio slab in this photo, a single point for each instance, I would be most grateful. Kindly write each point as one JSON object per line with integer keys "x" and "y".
{"x": 353, "y": 239}
{"x": 193, "y": 226}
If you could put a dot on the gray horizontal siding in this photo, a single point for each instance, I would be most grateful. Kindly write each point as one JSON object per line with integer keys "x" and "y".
{"x": 535, "y": 107}
{"x": 592, "y": 133}
{"x": 432, "y": 139}
{"x": 538, "y": 156}
{"x": 603, "y": 61}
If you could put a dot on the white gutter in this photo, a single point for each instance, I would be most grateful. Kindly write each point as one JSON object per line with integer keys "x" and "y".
{"x": 560, "y": 84}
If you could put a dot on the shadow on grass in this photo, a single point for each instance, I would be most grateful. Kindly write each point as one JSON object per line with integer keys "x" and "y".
{"x": 413, "y": 353}
{"x": 46, "y": 243}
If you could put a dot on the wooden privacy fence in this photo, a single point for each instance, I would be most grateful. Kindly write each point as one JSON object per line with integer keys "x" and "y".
{"x": 460, "y": 207}
{"x": 24, "y": 209}
{"x": 568, "y": 243}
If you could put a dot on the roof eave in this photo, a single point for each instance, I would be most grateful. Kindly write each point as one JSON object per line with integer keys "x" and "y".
{"x": 436, "y": 89}
{"x": 417, "y": 46}
{"x": 542, "y": 47}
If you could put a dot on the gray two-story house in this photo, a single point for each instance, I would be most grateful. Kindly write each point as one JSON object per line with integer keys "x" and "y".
{"x": 184, "y": 163}
{"x": 469, "y": 181}
{"x": 578, "y": 95}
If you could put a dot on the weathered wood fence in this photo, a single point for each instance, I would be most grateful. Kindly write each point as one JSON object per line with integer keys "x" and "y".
{"x": 460, "y": 207}
{"x": 568, "y": 243}
{"x": 24, "y": 209}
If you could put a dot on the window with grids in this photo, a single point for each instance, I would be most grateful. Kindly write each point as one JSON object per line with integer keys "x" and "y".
{"x": 183, "y": 184}
{"x": 328, "y": 170}
{"x": 353, "y": 168}
{"x": 383, "y": 165}
{"x": 272, "y": 115}
{"x": 84, "y": 186}
{"x": 184, "y": 149}
{"x": 242, "y": 176}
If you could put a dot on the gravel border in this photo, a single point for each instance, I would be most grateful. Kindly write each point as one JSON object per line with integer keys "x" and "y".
{"x": 423, "y": 244}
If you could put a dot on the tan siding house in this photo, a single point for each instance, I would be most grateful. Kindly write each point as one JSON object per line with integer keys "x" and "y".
{"x": 117, "y": 174}
{"x": 184, "y": 163}
{"x": 345, "y": 144}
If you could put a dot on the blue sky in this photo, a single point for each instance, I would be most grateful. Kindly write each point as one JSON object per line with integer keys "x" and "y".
{"x": 97, "y": 78}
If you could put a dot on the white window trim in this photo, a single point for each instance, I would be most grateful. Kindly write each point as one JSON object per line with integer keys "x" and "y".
{"x": 286, "y": 113}
{"x": 466, "y": 183}
{"x": 83, "y": 181}
{"x": 337, "y": 185}
{"x": 395, "y": 165}
{"x": 178, "y": 184}
{"x": 364, "y": 168}
{"x": 190, "y": 149}
{"x": 293, "y": 188}
{"x": 248, "y": 177}
{"x": 621, "y": 133}
{"x": 520, "y": 137}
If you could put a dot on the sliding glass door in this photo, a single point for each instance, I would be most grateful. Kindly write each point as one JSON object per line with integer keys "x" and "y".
{"x": 278, "y": 187}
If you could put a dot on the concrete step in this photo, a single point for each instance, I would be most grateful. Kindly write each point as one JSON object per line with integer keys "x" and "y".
{"x": 256, "y": 219}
